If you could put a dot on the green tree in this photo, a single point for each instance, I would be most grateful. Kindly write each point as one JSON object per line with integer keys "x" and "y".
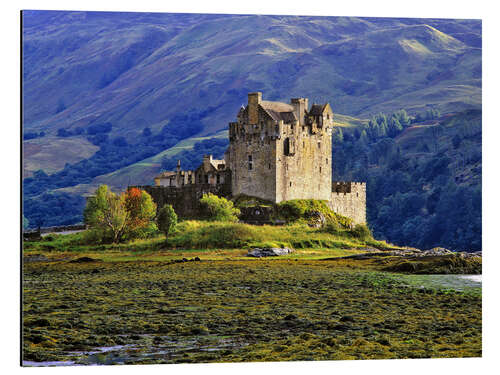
{"x": 166, "y": 220}
{"x": 394, "y": 127}
{"x": 338, "y": 135}
{"x": 219, "y": 208}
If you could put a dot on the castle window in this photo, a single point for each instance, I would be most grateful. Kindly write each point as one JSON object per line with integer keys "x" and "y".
{"x": 206, "y": 178}
{"x": 269, "y": 165}
{"x": 326, "y": 160}
{"x": 319, "y": 145}
{"x": 290, "y": 183}
{"x": 303, "y": 144}
{"x": 250, "y": 162}
{"x": 288, "y": 147}
{"x": 319, "y": 169}
{"x": 218, "y": 178}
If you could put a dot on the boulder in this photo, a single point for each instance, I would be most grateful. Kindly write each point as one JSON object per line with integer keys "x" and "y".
{"x": 268, "y": 252}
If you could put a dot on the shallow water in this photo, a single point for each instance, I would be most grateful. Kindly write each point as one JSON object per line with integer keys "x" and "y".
{"x": 456, "y": 282}
{"x": 476, "y": 278}
{"x": 48, "y": 363}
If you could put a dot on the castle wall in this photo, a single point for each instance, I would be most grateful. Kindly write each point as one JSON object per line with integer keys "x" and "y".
{"x": 349, "y": 199}
{"x": 185, "y": 200}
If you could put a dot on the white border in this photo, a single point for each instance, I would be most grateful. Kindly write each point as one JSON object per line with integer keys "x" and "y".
{"x": 381, "y": 8}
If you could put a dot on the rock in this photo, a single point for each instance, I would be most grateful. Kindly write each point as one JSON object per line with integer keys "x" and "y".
{"x": 35, "y": 258}
{"x": 316, "y": 219}
{"x": 437, "y": 251}
{"x": 269, "y": 252}
{"x": 83, "y": 260}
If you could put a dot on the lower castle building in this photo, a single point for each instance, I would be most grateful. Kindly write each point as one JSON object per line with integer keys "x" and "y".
{"x": 277, "y": 152}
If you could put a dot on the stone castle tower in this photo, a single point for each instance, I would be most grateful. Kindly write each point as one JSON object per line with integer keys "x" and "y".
{"x": 280, "y": 151}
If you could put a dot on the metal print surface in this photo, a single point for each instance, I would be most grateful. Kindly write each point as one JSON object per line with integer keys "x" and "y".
{"x": 233, "y": 188}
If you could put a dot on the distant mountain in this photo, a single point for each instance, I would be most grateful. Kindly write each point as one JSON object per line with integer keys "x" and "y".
{"x": 137, "y": 70}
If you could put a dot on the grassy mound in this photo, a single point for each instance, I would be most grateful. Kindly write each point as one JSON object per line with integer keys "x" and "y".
{"x": 203, "y": 235}
{"x": 193, "y": 234}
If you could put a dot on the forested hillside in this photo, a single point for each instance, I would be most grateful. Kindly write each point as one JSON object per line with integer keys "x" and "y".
{"x": 423, "y": 178}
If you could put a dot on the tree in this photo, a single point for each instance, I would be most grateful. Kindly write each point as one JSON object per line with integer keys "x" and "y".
{"x": 119, "y": 214}
{"x": 338, "y": 135}
{"x": 219, "y": 208}
{"x": 166, "y": 220}
{"x": 26, "y": 223}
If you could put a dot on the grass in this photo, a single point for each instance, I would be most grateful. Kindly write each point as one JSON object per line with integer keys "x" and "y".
{"x": 202, "y": 235}
{"x": 234, "y": 311}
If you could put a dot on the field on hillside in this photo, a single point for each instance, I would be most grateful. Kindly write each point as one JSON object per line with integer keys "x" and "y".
{"x": 52, "y": 153}
{"x": 230, "y": 311}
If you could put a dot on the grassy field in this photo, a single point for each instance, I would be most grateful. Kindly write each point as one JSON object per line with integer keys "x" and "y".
{"x": 145, "y": 311}
{"x": 198, "y": 298}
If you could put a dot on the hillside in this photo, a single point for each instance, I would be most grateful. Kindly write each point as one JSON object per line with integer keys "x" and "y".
{"x": 137, "y": 70}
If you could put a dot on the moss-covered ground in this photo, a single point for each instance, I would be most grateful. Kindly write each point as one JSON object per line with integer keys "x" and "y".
{"x": 150, "y": 309}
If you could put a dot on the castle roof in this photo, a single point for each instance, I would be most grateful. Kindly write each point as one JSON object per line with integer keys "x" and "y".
{"x": 165, "y": 174}
{"x": 279, "y": 111}
{"x": 317, "y": 109}
{"x": 215, "y": 163}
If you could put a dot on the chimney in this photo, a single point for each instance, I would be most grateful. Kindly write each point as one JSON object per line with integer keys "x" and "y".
{"x": 178, "y": 166}
{"x": 254, "y": 99}
{"x": 300, "y": 106}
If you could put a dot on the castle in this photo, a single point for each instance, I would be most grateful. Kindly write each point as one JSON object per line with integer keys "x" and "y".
{"x": 277, "y": 152}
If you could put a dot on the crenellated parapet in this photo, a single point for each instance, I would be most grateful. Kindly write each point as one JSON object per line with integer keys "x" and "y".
{"x": 348, "y": 198}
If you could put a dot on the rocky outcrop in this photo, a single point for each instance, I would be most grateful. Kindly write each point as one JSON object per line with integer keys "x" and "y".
{"x": 316, "y": 219}
{"x": 269, "y": 252}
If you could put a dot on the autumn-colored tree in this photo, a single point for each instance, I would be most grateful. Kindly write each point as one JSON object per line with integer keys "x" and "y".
{"x": 119, "y": 214}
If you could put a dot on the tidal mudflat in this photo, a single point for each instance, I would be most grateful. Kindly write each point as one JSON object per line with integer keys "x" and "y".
{"x": 240, "y": 310}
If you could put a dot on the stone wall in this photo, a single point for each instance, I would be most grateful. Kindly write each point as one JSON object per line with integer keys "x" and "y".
{"x": 184, "y": 200}
{"x": 304, "y": 173}
{"x": 349, "y": 199}
{"x": 251, "y": 157}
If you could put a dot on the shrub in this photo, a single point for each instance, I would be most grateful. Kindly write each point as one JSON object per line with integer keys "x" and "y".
{"x": 167, "y": 219}
{"x": 298, "y": 209}
{"x": 361, "y": 231}
{"x": 219, "y": 208}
